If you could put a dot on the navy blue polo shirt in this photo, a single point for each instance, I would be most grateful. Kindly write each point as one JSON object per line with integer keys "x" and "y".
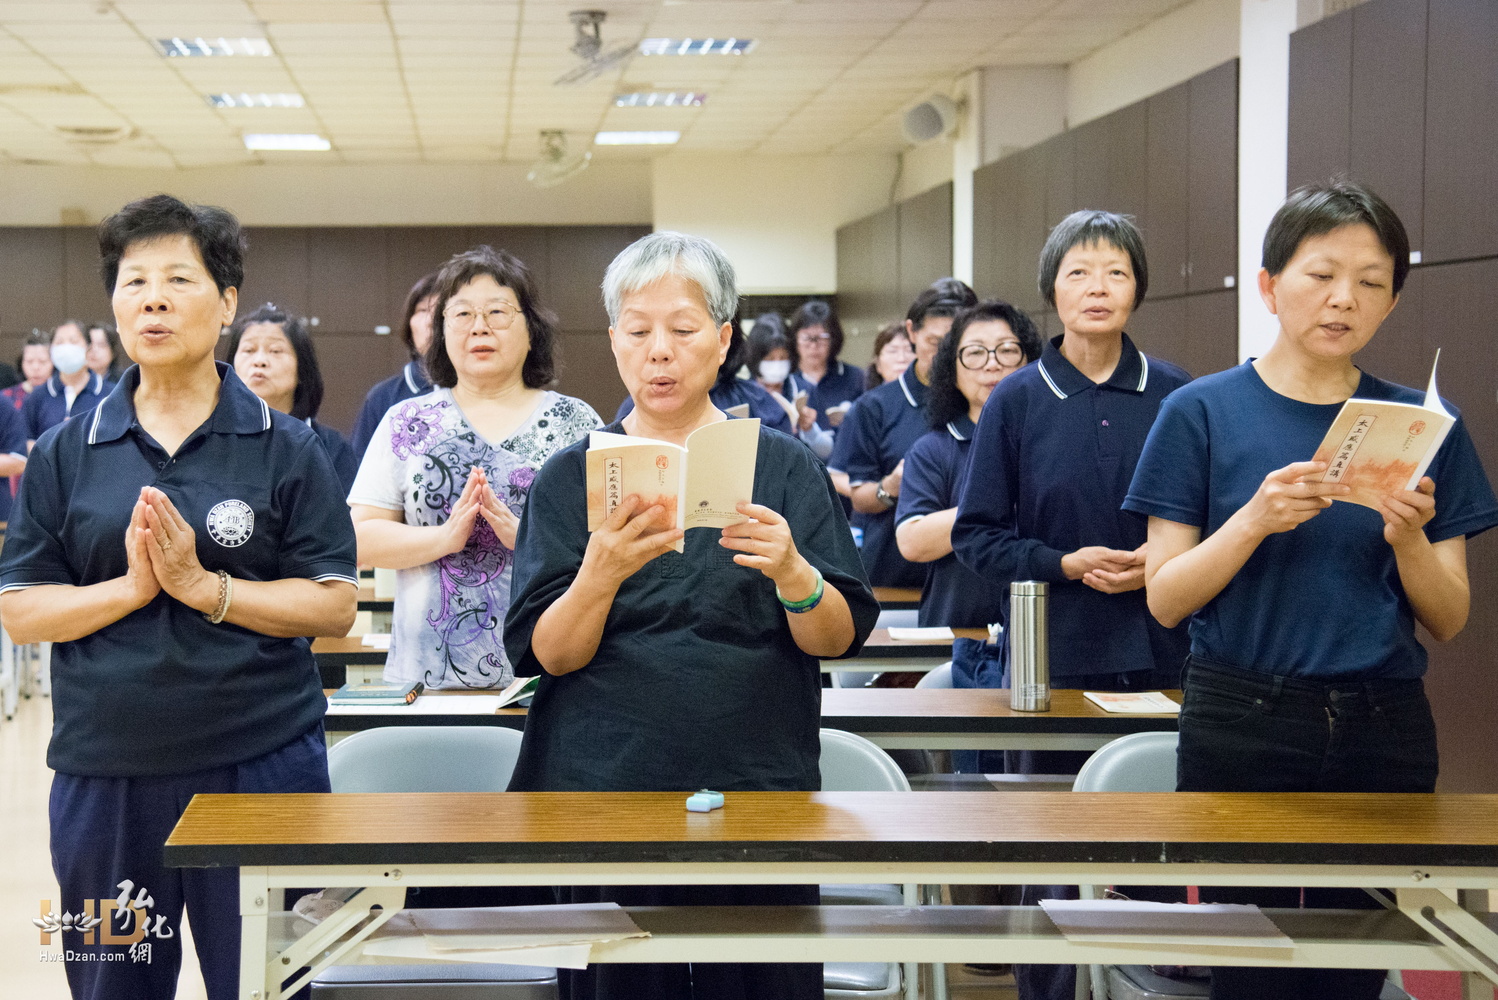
{"x": 1049, "y": 469}
{"x": 840, "y": 384}
{"x": 952, "y": 595}
{"x": 162, "y": 691}
{"x": 410, "y": 382}
{"x": 12, "y": 442}
{"x": 345, "y": 465}
{"x": 736, "y": 392}
{"x": 48, "y": 406}
{"x": 876, "y": 434}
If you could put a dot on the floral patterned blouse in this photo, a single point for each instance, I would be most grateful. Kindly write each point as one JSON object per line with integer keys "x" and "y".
{"x": 449, "y": 617}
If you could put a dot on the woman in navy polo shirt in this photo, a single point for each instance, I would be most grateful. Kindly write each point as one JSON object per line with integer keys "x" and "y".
{"x": 816, "y": 341}
{"x": 176, "y": 547}
{"x": 411, "y": 381}
{"x": 273, "y": 354}
{"x": 72, "y": 390}
{"x": 1305, "y": 667}
{"x": 883, "y": 424}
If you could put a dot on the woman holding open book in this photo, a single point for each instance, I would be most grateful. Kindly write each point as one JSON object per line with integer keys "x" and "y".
{"x": 675, "y": 659}
{"x": 1305, "y": 668}
{"x": 439, "y": 492}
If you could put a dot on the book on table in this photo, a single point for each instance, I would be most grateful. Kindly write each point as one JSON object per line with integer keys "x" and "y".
{"x": 1133, "y": 702}
{"x": 376, "y": 694}
{"x": 1379, "y": 447}
{"x": 699, "y": 485}
{"x": 519, "y": 689}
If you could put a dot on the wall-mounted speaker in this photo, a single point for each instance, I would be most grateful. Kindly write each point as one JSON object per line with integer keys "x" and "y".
{"x": 933, "y": 118}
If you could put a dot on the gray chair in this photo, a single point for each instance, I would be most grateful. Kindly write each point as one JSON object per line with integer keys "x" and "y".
{"x": 850, "y": 763}
{"x": 429, "y": 759}
{"x": 941, "y": 677}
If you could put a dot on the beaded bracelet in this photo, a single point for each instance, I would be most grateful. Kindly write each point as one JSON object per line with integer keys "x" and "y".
{"x": 806, "y": 604}
{"x": 225, "y": 595}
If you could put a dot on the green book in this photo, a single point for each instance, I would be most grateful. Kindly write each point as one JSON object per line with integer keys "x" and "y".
{"x": 376, "y": 694}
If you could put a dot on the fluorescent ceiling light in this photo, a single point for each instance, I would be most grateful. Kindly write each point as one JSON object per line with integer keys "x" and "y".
{"x": 636, "y": 138}
{"x": 660, "y": 98}
{"x": 695, "y": 46}
{"x": 293, "y": 141}
{"x": 255, "y": 100}
{"x": 174, "y": 48}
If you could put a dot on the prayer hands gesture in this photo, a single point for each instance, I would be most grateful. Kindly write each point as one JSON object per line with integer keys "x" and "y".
{"x": 494, "y": 510}
{"x": 1407, "y": 512}
{"x": 626, "y": 541}
{"x": 1285, "y": 501}
{"x": 170, "y": 547}
{"x": 458, "y": 527}
{"x": 140, "y": 577}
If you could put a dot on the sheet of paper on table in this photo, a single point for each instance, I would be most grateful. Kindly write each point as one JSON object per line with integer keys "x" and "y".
{"x": 376, "y": 640}
{"x": 453, "y": 704}
{"x": 1133, "y": 702}
{"x": 927, "y": 634}
{"x": 557, "y": 936}
{"x": 1124, "y": 921}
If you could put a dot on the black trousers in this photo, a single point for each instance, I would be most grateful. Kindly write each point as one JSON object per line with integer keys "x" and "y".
{"x": 1251, "y": 732}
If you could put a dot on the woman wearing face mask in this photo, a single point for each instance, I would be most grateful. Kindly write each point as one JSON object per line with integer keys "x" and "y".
{"x": 35, "y": 365}
{"x": 104, "y": 352}
{"x": 273, "y": 354}
{"x": 71, "y": 390}
{"x": 767, "y": 355}
{"x": 411, "y": 380}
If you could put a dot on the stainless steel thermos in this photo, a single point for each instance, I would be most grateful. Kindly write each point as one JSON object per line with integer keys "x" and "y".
{"x": 1029, "y": 652}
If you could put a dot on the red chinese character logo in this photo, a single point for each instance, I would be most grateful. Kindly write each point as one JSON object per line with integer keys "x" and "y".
{"x": 1417, "y": 427}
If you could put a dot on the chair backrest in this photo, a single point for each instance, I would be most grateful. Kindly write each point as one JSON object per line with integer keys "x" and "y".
{"x": 941, "y": 677}
{"x": 851, "y": 763}
{"x": 425, "y": 759}
{"x": 1139, "y": 762}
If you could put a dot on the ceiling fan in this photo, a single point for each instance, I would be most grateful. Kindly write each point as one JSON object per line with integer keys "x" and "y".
{"x": 588, "y": 46}
{"x": 555, "y": 163}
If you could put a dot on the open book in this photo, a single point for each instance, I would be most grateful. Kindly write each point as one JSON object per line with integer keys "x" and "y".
{"x": 1378, "y": 447}
{"x": 699, "y": 485}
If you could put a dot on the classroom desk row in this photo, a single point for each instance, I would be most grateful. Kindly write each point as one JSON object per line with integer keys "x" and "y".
{"x": 879, "y": 653}
{"x": 893, "y": 718}
{"x": 889, "y": 598}
{"x": 1435, "y": 857}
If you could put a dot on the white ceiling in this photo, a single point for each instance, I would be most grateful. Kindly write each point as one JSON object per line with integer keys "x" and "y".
{"x": 470, "y": 80}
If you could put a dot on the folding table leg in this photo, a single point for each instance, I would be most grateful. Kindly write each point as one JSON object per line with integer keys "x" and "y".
{"x": 1444, "y": 918}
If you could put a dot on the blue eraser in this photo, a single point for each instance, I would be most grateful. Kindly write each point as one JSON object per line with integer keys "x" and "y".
{"x": 717, "y": 797}
{"x": 699, "y": 803}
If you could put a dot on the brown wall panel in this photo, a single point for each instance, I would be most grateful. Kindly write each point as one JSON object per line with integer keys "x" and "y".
{"x": 868, "y": 272}
{"x": 1461, "y": 131}
{"x": 1060, "y": 179}
{"x": 985, "y": 251}
{"x": 414, "y": 251}
{"x": 1320, "y": 96}
{"x": 589, "y": 372}
{"x": 83, "y": 287}
{"x": 925, "y": 240}
{"x": 1092, "y": 151}
{"x": 1168, "y": 214}
{"x": 351, "y": 362}
{"x": 1127, "y": 181}
{"x": 31, "y": 282}
{"x": 1211, "y": 332}
{"x": 275, "y": 270}
{"x": 1014, "y": 265}
{"x": 346, "y": 278}
{"x": 1159, "y": 329}
{"x": 576, "y": 257}
{"x": 1213, "y": 179}
{"x": 1030, "y": 223}
{"x": 1388, "y": 106}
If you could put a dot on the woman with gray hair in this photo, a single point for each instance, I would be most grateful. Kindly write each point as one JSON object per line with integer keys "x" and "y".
{"x": 707, "y": 674}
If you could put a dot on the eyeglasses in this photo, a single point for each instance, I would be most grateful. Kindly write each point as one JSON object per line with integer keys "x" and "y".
{"x": 812, "y": 339}
{"x": 461, "y": 319}
{"x": 974, "y": 357}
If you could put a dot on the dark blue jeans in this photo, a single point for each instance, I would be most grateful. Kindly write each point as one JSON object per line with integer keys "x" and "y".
{"x": 1253, "y": 732}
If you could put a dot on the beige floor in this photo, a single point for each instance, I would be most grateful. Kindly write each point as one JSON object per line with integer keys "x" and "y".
{"x": 26, "y": 877}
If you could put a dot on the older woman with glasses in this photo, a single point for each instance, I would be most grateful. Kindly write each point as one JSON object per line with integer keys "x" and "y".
{"x": 446, "y": 476}
{"x": 831, "y": 387}
{"x": 707, "y": 674}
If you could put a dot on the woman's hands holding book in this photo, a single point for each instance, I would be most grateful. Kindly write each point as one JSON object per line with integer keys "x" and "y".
{"x": 765, "y": 544}
{"x": 1288, "y": 498}
{"x": 1407, "y": 512}
{"x": 626, "y": 541}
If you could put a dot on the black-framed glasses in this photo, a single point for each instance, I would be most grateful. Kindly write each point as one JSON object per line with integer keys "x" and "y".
{"x": 974, "y": 357}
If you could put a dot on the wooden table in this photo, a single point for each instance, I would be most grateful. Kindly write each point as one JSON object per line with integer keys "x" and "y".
{"x": 879, "y": 653}
{"x": 898, "y": 598}
{"x": 1425, "y": 848}
{"x": 894, "y": 718}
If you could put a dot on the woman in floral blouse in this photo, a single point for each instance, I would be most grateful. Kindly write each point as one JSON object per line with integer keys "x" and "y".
{"x": 441, "y": 487}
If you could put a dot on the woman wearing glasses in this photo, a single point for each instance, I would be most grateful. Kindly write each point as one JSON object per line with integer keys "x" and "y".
{"x": 816, "y": 339}
{"x": 441, "y": 487}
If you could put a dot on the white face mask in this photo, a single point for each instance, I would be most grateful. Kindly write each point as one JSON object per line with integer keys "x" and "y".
{"x": 69, "y": 358}
{"x": 774, "y": 372}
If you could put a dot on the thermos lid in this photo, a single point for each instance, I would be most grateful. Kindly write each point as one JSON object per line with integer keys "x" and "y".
{"x": 1027, "y": 588}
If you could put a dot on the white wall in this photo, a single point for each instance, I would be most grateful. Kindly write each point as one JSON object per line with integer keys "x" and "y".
{"x": 924, "y": 167}
{"x": 1020, "y": 107}
{"x": 1163, "y": 53}
{"x": 335, "y": 194}
{"x": 776, "y": 217}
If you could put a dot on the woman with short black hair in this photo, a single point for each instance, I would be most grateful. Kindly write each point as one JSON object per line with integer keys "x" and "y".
{"x": 411, "y": 380}
{"x": 105, "y": 355}
{"x": 1305, "y": 667}
{"x": 439, "y": 492}
{"x": 176, "y": 546}
{"x": 273, "y": 353}
{"x": 816, "y": 337}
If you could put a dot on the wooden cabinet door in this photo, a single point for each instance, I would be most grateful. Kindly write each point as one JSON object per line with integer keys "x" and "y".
{"x": 346, "y": 279}
{"x": 1126, "y": 185}
{"x": 1320, "y": 95}
{"x": 1014, "y": 262}
{"x": 1159, "y": 330}
{"x": 82, "y": 285}
{"x": 1165, "y": 239}
{"x": 275, "y": 270}
{"x": 1213, "y": 180}
{"x": 925, "y": 226}
{"x": 31, "y": 269}
{"x": 1211, "y": 332}
{"x": 1461, "y": 131}
{"x": 986, "y": 196}
{"x": 1387, "y": 132}
{"x": 1030, "y": 229}
{"x": 576, "y": 259}
{"x": 868, "y": 273}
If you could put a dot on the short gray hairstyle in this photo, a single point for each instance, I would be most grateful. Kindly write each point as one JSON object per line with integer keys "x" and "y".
{"x": 1087, "y": 227}
{"x": 650, "y": 258}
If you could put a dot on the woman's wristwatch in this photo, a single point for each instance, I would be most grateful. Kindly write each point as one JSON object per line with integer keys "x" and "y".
{"x": 884, "y": 496}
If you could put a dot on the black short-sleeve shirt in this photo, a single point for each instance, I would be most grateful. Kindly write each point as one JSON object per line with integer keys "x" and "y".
{"x": 163, "y": 691}
{"x": 697, "y": 682}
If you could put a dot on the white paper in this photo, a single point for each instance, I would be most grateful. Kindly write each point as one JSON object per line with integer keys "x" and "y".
{"x": 936, "y": 633}
{"x": 1123, "y": 921}
{"x": 1133, "y": 702}
{"x": 376, "y": 640}
{"x": 402, "y": 941}
{"x": 556, "y": 936}
{"x": 427, "y": 704}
